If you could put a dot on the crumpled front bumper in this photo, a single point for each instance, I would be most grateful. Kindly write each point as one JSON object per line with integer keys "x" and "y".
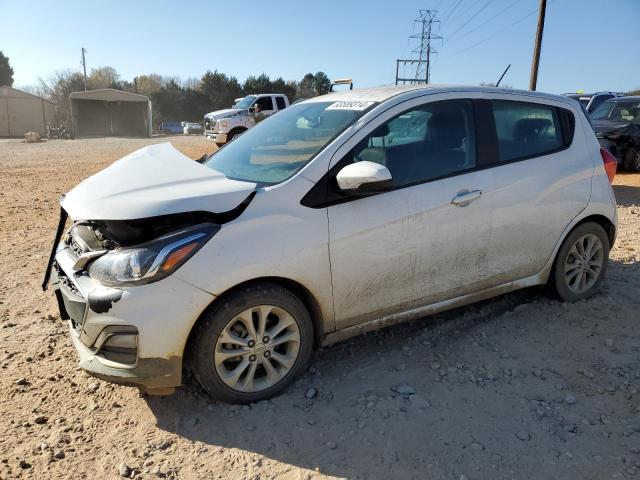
{"x": 133, "y": 336}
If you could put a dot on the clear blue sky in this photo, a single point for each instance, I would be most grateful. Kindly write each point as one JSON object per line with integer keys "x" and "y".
{"x": 588, "y": 44}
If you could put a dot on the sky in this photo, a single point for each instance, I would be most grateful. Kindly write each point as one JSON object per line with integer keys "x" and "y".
{"x": 588, "y": 45}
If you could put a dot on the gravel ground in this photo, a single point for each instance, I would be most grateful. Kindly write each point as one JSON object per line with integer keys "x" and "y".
{"x": 517, "y": 387}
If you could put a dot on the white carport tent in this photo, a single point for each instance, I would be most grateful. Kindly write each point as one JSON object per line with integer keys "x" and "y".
{"x": 110, "y": 112}
{"x": 22, "y": 112}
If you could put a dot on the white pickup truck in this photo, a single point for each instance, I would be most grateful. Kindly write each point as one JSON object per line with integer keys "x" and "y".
{"x": 223, "y": 125}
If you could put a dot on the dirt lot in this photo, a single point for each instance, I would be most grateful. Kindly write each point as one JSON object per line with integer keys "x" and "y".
{"x": 519, "y": 387}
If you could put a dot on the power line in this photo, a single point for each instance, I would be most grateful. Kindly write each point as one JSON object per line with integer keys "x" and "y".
{"x": 513, "y": 4}
{"x": 482, "y": 8}
{"x": 455, "y": 5}
{"x": 459, "y": 52}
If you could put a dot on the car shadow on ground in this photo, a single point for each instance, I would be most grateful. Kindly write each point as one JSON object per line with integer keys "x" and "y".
{"x": 326, "y": 432}
{"x": 627, "y": 195}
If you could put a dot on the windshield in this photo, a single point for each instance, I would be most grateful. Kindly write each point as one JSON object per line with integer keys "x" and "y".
{"x": 276, "y": 148}
{"x": 245, "y": 103}
{"x": 618, "y": 112}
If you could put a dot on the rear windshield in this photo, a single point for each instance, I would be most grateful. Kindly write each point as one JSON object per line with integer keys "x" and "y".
{"x": 279, "y": 146}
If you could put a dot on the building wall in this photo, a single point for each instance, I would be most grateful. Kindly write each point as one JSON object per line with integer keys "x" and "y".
{"x": 105, "y": 118}
{"x": 21, "y": 112}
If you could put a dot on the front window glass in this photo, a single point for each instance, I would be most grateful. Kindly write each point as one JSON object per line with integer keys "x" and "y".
{"x": 430, "y": 141}
{"x": 618, "y": 112}
{"x": 245, "y": 102}
{"x": 276, "y": 148}
{"x": 265, "y": 103}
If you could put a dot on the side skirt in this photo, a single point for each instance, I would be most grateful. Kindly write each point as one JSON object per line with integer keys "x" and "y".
{"x": 432, "y": 309}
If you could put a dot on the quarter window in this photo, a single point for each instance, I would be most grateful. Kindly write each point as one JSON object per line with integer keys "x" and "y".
{"x": 526, "y": 129}
{"x": 430, "y": 141}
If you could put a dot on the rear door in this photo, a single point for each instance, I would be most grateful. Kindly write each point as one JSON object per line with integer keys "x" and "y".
{"x": 424, "y": 241}
{"x": 541, "y": 180}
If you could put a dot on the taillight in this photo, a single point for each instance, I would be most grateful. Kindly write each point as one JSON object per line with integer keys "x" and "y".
{"x": 610, "y": 163}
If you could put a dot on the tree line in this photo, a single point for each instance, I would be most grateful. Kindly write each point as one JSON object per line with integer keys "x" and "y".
{"x": 173, "y": 98}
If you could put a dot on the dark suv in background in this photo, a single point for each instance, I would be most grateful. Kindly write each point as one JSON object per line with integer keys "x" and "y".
{"x": 616, "y": 124}
{"x": 591, "y": 101}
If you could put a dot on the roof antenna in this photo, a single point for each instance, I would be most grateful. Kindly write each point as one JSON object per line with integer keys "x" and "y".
{"x": 502, "y": 76}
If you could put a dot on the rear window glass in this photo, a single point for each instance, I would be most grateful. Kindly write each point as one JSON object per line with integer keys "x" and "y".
{"x": 280, "y": 103}
{"x": 526, "y": 129}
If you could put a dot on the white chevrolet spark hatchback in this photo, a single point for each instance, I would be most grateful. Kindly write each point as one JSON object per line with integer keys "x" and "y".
{"x": 339, "y": 215}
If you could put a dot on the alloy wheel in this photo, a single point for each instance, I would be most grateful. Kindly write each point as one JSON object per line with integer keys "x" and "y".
{"x": 584, "y": 263}
{"x": 257, "y": 348}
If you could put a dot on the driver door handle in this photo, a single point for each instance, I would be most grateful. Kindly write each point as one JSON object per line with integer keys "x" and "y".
{"x": 464, "y": 198}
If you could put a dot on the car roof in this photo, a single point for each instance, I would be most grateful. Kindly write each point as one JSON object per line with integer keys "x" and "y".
{"x": 380, "y": 94}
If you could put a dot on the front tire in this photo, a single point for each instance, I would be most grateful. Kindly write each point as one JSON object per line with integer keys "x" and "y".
{"x": 581, "y": 263}
{"x": 252, "y": 344}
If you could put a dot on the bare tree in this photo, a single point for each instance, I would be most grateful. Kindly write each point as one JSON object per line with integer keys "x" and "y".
{"x": 57, "y": 87}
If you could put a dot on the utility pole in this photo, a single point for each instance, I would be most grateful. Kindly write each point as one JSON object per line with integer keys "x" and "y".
{"x": 538, "y": 46}
{"x": 425, "y": 48}
{"x": 84, "y": 68}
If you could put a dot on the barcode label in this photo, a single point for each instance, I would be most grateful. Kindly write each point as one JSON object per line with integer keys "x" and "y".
{"x": 349, "y": 105}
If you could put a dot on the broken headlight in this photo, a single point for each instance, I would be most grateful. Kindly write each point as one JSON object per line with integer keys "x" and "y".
{"x": 150, "y": 261}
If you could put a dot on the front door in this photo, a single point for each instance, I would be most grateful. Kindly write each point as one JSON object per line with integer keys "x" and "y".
{"x": 424, "y": 241}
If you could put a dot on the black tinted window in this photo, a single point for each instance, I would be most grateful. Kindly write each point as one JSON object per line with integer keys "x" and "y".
{"x": 430, "y": 141}
{"x": 280, "y": 103}
{"x": 266, "y": 103}
{"x": 526, "y": 129}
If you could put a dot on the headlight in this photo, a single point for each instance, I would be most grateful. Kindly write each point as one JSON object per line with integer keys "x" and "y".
{"x": 150, "y": 261}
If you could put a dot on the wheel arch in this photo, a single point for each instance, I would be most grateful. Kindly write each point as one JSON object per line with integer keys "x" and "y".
{"x": 608, "y": 226}
{"x": 299, "y": 290}
{"x": 601, "y": 220}
{"x": 235, "y": 130}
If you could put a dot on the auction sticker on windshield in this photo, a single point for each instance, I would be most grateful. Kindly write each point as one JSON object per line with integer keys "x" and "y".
{"x": 349, "y": 105}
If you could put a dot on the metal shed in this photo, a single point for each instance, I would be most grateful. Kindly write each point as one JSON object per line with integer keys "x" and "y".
{"x": 22, "y": 112}
{"x": 110, "y": 113}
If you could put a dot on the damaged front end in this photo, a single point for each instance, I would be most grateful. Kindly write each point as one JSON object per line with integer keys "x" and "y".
{"x": 128, "y": 317}
{"x": 107, "y": 282}
{"x": 134, "y": 224}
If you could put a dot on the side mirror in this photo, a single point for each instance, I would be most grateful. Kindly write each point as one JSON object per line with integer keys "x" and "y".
{"x": 364, "y": 178}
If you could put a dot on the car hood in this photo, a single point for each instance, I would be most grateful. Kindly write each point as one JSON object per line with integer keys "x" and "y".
{"x": 603, "y": 127}
{"x": 224, "y": 113}
{"x": 155, "y": 180}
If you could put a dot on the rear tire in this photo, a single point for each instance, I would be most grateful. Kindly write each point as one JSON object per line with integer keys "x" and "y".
{"x": 581, "y": 263}
{"x": 271, "y": 331}
{"x": 631, "y": 160}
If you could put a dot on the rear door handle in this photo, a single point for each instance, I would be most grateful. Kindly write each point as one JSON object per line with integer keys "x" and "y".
{"x": 464, "y": 198}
